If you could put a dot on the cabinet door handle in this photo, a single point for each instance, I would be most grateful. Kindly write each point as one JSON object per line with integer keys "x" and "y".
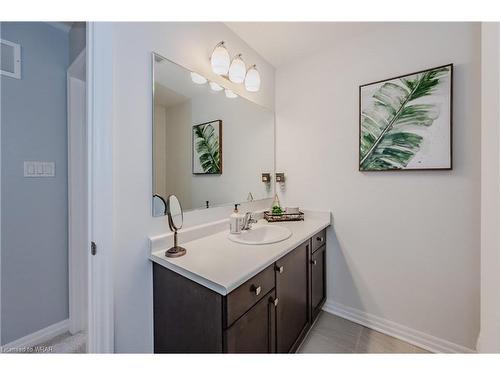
{"x": 314, "y": 262}
{"x": 280, "y": 269}
{"x": 274, "y": 301}
{"x": 256, "y": 289}
{"x": 320, "y": 239}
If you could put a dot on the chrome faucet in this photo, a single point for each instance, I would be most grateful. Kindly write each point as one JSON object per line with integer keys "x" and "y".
{"x": 248, "y": 221}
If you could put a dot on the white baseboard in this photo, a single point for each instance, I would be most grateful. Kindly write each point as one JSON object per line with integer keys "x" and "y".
{"x": 38, "y": 337}
{"x": 410, "y": 335}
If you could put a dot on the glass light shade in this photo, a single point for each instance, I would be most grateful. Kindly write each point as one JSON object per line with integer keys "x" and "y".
{"x": 220, "y": 59}
{"x": 237, "y": 70}
{"x": 197, "y": 78}
{"x": 230, "y": 94}
{"x": 215, "y": 86}
{"x": 252, "y": 79}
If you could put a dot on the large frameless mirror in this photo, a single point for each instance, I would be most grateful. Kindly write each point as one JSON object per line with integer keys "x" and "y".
{"x": 208, "y": 149}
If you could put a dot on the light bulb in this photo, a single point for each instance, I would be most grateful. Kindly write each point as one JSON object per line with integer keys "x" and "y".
{"x": 237, "y": 70}
{"x": 252, "y": 79}
{"x": 215, "y": 86}
{"x": 220, "y": 59}
{"x": 197, "y": 78}
{"x": 230, "y": 94}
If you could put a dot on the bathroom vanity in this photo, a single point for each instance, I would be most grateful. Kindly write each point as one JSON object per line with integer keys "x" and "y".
{"x": 237, "y": 293}
{"x": 224, "y": 297}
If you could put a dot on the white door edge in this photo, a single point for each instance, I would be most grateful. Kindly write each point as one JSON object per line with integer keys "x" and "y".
{"x": 77, "y": 196}
{"x": 100, "y": 186}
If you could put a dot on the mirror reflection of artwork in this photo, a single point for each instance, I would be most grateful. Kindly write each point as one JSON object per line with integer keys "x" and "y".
{"x": 405, "y": 122}
{"x": 189, "y": 157}
{"x": 207, "y": 148}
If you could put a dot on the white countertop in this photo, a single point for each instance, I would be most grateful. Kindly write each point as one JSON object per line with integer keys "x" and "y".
{"x": 219, "y": 264}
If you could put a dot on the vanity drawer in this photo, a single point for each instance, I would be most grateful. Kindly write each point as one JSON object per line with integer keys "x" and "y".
{"x": 242, "y": 299}
{"x": 318, "y": 240}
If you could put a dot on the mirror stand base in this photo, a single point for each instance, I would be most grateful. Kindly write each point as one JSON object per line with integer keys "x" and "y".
{"x": 175, "y": 252}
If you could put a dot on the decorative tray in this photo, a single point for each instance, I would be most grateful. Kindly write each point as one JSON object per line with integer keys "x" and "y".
{"x": 283, "y": 217}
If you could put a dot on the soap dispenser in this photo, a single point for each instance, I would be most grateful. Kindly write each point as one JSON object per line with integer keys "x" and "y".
{"x": 235, "y": 221}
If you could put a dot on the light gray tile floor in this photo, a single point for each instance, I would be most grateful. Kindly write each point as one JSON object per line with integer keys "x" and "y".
{"x": 332, "y": 334}
{"x": 65, "y": 343}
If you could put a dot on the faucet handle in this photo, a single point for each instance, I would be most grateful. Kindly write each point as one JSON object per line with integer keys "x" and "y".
{"x": 248, "y": 220}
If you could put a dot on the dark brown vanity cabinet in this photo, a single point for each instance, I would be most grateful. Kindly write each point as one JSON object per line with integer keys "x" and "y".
{"x": 318, "y": 281}
{"x": 269, "y": 313}
{"x": 254, "y": 331}
{"x": 292, "y": 290}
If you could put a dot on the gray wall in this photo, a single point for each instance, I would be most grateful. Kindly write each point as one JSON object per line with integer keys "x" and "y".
{"x": 77, "y": 40}
{"x": 34, "y": 210}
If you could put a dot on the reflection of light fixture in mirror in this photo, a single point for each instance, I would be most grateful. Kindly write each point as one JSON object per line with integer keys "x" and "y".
{"x": 237, "y": 70}
{"x": 220, "y": 59}
{"x": 197, "y": 78}
{"x": 230, "y": 94}
{"x": 215, "y": 86}
{"x": 252, "y": 79}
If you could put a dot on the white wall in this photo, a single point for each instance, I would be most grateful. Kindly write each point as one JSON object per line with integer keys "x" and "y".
{"x": 247, "y": 150}
{"x": 189, "y": 44}
{"x": 490, "y": 190}
{"x": 159, "y": 147}
{"x": 405, "y": 246}
{"x": 178, "y": 151}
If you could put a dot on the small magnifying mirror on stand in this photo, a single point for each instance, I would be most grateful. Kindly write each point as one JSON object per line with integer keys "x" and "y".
{"x": 175, "y": 221}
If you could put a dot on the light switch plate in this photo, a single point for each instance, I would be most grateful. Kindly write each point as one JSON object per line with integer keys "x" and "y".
{"x": 39, "y": 169}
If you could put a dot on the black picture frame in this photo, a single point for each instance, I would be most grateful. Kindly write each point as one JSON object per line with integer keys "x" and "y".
{"x": 450, "y": 167}
{"x": 218, "y": 124}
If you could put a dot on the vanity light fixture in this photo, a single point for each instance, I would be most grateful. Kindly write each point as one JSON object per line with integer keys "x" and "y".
{"x": 230, "y": 94}
{"x": 252, "y": 79}
{"x": 266, "y": 178}
{"x": 237, "y": 70}
{"x": 280, "y": 177}
{"x": 215, "y": 86}
{"x": 197, "y": 78}
{"x": 234, "y": 70}
{"x": 220, "y": 59}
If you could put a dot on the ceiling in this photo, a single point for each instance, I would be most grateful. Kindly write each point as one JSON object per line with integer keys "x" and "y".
{"x": 282, "y": 42}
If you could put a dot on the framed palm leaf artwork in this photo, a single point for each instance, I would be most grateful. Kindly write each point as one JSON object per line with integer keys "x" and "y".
{"x": 207, "y": 148}
{"x": 405, "y": 122}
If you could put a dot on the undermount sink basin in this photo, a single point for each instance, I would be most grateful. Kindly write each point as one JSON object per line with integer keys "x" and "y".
{"x": 261, "y": 235}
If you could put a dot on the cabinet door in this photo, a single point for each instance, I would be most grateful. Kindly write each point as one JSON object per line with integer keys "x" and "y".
{"x": 318, "y": 281}
{"x": 255, "y": 331}
{"x": 293, "y": 294}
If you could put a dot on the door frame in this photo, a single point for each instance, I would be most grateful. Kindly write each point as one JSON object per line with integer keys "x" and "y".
{"x": 77, "y": 195}
{"x": 0, "y": 216}
{"x": 100, "y": 186}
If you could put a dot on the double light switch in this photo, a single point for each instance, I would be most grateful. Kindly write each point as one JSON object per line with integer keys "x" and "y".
{"x": 39, "y": 169}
